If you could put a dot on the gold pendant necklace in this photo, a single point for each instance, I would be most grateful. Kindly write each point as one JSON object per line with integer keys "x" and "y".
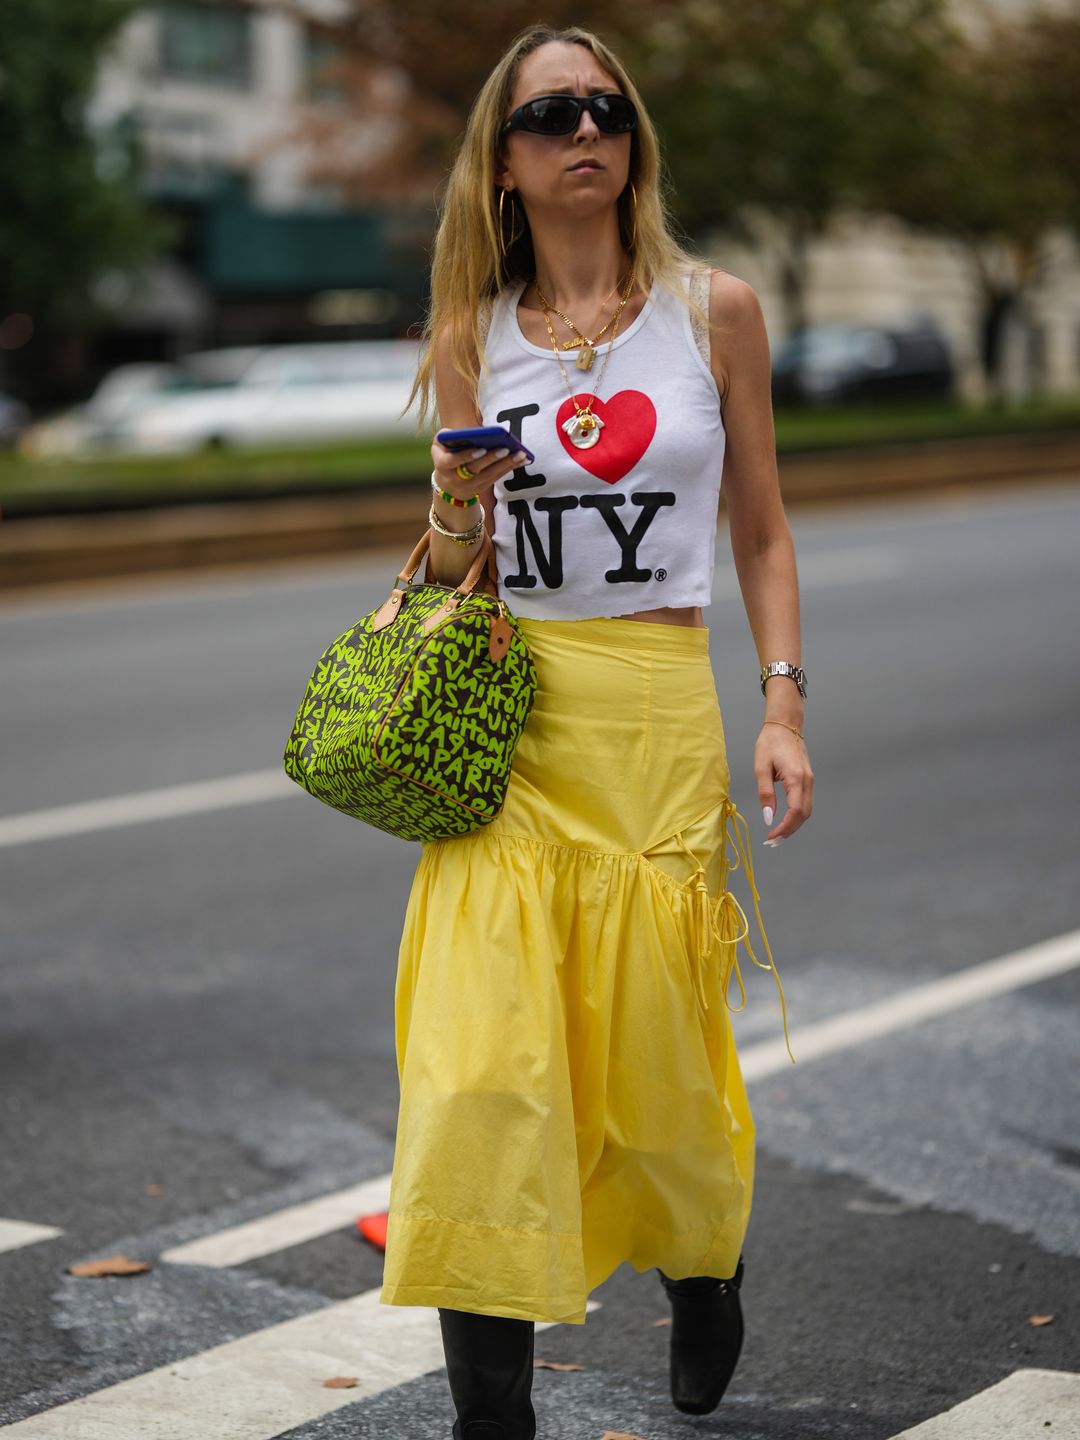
{"x": 583, "y": 427}
{"x": 587, "y": 354}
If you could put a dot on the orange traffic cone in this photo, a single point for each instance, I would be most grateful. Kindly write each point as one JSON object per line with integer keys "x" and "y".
{"x": 373, "y": 1229}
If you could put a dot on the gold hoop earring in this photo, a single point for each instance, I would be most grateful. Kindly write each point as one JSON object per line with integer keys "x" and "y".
{"x": 633, "y": 233}
{"x": 503, "y": 244}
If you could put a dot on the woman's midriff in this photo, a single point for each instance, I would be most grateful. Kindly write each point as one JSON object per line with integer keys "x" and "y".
{"x": 670, "y": 615}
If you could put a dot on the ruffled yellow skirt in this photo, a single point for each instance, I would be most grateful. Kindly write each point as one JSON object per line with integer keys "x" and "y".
{"x": 570, "y": 1090}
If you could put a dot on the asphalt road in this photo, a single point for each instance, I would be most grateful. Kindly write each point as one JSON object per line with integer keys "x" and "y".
{"x": 202, "y": 1002}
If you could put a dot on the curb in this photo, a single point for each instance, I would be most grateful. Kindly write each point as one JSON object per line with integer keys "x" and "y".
{"x": 195, "y": 536}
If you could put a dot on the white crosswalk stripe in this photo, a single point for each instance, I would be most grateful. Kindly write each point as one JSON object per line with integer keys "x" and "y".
{"x": 271, "y": 1381}
{"x": 16, "y": 1233}
{"x": 1035, "y": 962}
{"x": 1027, "y": 1405}
{"x": 314, "y": 1218}
{"x": 262, "y": 1384}
{"x": 284, "y": 1228}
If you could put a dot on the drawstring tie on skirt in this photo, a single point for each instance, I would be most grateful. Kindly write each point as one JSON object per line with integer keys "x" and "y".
{"x": 709, "y": 931}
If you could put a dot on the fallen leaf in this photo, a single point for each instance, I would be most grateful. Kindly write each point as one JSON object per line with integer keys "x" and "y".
{"x": 556, "y": 1365}
{"x": 1040, "y": 1319}
{"x": 619, "y": 1435}
{"x": 665, "y": 1321}
{"x": 340, "y": 1382}
{"x": 153, "y": 1190}
{"x": 113, "y": 1265}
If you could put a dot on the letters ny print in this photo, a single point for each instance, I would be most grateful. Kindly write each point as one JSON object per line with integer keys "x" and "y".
{"x": 629, "y": 426}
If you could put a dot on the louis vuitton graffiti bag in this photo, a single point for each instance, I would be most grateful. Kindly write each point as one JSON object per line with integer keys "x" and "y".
{"x": 411, "y": 718}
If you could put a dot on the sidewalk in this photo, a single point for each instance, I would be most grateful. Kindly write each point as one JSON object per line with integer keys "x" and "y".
{"x": 89, "y": 546}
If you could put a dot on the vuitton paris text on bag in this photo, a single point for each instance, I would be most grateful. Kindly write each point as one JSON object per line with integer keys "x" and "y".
{"x": 411, "y": 718}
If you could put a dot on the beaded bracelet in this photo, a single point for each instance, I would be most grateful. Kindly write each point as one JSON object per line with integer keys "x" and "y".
{"x": 453, "y": 499}
{"x": 459, "y": 537}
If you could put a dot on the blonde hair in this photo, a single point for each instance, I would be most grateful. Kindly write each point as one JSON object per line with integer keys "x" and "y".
{"x": 468, "y": 266}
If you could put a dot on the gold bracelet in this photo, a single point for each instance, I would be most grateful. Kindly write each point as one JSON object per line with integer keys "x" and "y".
{"x": 785, "y": 725}
{"x": 459, "y": 537}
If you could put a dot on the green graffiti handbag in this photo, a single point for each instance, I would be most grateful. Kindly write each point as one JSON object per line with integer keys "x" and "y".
{"x": 411, "y": 718}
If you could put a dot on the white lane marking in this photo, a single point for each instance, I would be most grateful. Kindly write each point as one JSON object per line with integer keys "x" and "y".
{"x": 308, "y": 1221}
{"x": 16, "y": 1233}
{"x": 181, "y": 587}
{"x": 822, "y": 568}
{"x": 842, "y": 567}
{"x": 836, "y": 567}
{"x": 213, "y": 585}
{"x": 194, "y": 798}
{"x": 285, "y": 1228}
{"x": 921, "y": 1002}
{"x": 264, "y": 1383}
{"x": 1025, "y": 1405}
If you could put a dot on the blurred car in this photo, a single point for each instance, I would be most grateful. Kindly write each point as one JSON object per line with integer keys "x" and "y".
{"x": 77, "y": 428}
{"x": 827, "y": 364}
{"x": 14, "y": 418}
{"x": 260, "y": 397}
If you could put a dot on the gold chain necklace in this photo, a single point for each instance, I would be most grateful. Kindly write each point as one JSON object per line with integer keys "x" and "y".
{"x": 583, "y": 427}
{"x": 587, "y": 354}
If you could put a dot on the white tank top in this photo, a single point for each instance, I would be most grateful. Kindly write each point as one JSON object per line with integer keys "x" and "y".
{"x": 629, "y": 523}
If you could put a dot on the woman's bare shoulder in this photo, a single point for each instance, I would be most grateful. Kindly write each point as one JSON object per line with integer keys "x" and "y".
{"x": 731, "y": 300}
{"x": 736, "y": 321}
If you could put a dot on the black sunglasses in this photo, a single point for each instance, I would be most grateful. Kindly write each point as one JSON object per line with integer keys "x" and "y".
{"x": 560, "y": 114}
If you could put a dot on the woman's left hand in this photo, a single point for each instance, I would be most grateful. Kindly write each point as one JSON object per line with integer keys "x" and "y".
{"x": 779, "y": 754}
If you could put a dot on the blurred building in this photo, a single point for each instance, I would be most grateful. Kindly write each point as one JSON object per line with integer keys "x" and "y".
{"x": 206, "y": 91}
{"x": 882, "y": 271}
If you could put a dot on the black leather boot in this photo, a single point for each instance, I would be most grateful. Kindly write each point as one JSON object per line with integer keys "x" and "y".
{"x": 706, "y": 1338}
{"x": 489, "y": 1364}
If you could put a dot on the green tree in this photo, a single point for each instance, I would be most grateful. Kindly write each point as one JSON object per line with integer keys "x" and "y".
{"x": 68, "y": 207}
{"x": 776, "y": 113}
{"x": 1005, "y": 170}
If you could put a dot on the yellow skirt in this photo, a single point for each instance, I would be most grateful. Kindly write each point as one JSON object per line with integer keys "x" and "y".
{"x": 571, "y": 1095}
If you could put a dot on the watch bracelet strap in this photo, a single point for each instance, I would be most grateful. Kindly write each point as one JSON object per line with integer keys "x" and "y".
{"x": 784, "y": 667}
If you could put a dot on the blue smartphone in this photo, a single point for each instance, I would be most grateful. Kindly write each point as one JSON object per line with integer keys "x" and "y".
{"x": 483, "y": 437}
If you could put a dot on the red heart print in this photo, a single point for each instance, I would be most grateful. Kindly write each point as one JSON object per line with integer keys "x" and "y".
{"x": 629, "y": 426}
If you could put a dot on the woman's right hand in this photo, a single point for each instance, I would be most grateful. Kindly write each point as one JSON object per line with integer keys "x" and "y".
{"x": 486, "y": 466}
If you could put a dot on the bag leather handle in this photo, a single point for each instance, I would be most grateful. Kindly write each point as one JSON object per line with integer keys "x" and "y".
{"x": 485, "y": 558}
{"x": 484, "y": 554}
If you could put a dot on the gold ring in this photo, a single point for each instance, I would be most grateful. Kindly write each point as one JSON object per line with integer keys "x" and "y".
{"x": 464, "y": 471}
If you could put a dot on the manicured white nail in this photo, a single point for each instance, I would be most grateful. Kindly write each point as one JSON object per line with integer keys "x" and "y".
{"x": 773, "y": 843}
{"x": 766, "y": 811}
{"x": 477, "y": 454}
{"x": 520, "y": 456}
{"x": 501, "y": 454}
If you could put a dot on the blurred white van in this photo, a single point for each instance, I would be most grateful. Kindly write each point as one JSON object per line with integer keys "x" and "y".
{"x": 280, "y": 395}
{"x": 242, "y": 397}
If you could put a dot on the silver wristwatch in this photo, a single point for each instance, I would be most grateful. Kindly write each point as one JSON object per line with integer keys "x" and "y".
{"x": 783, "y": 667}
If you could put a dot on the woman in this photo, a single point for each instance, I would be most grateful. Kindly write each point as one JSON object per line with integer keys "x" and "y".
{"x": 570, "y": 1092}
